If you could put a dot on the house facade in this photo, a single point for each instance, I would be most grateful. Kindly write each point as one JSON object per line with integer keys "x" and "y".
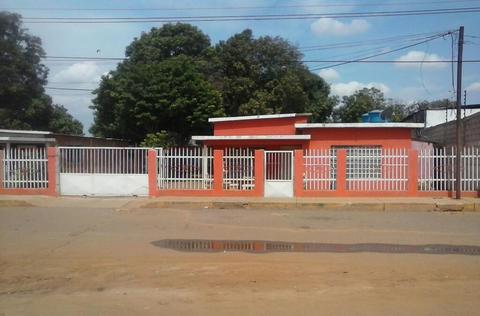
{"x": 292, "y": 131}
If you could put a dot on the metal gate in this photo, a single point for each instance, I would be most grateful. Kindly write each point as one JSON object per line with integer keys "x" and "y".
{"x": 279, "y": 173}
{"x": 103, "y": 171}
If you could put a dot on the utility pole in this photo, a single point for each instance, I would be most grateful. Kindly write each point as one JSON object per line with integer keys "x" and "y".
{"x": 458, "y": 181}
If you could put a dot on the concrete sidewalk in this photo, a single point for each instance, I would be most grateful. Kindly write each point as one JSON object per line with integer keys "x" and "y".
{"x": 370, "y": 204}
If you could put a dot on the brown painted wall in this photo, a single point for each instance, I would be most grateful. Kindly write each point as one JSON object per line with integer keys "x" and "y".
{"x": 71, "y": 140}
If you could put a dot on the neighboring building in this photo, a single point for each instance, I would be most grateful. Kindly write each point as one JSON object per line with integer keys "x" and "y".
{"x": 20, "y": 138}
{"x": 291, "y": 131}
{"x": 445, "y": 134}
{"x": 14, "y": 138}
{"x": 434, "y": 117}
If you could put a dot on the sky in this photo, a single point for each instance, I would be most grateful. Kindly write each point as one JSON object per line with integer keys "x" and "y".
{"x": 400, "y": 81}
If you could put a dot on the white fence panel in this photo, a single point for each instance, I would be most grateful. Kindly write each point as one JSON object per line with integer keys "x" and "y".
{"x": 25, "y": 168}
{"x": 103, "y": 171}
{"x": 437, "y": 169}
{"x": 239, "y": 169}
{"x": 185, "y": 168}
{"x": 103, "y": 160}
{"x": 319, "y": 169}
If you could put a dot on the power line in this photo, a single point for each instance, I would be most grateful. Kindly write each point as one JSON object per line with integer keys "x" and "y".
{"x": 370, "y": 61}
{"x": 339, "y": 45}
{"x": 322, "y": 5}
{"x": 85, "y": 58}
{"x": 372, "y": 41}
{"x": 264, "y": 17}
{"x": 72, "y": 89}
{"x": 400, "y": 39}
{"x": 382, "y": 53}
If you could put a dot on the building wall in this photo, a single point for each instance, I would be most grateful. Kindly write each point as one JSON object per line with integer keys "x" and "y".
{"x": 72, "y": 140}
{"x": 444, "y": 134}
{"x": 386, "y": 137}
{"x": 278, "y": 126}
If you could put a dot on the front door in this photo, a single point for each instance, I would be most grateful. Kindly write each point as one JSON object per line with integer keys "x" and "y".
{"x": 279, "y": 173}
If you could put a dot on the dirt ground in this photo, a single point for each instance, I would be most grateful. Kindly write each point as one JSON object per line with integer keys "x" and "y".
{"x": 101, "y": 261}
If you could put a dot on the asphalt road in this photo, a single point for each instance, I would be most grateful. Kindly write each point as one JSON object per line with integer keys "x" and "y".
{"x": 86, "y": 261}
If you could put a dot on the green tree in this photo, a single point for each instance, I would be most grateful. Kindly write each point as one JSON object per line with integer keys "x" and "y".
{"x": 159, "y": 139}
{"x": 24, "y": 104}
{"x": 160, "y": 87}
{"x": 266, "y": 75}
{"x": 395, "y": 111}
{"x": 362, "y": 101}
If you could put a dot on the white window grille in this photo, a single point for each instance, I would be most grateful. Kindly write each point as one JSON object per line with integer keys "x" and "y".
{"x": 238, "y": 169}
{"x": 319, "y": 169}
{"x": 376, "y": 169}
{"x": 25, "y": 168}
{"x": 103, "y": 160}
{"x": 185, "y": 168}
{"x": 363, "y": 162}
{"x": 437, "y": 169}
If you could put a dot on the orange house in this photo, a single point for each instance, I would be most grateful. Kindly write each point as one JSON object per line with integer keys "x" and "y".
{"x": 298, "y": 155}
{"x": 292, "y": 131}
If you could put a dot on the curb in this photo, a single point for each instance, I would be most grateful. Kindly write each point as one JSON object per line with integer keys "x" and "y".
{"x": 379, "y": 207}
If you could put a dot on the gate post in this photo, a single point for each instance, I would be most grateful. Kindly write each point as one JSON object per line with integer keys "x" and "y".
{"x": 412, "y": 172}
{"x": 298, "y": 173}
{"x": 152, "y": 172}
{"x": 218, "y": 172}
{"x": 2, "y": 163}
{"x": 341, "y": 172}
{"x": 259, "y": 172}
{"x": 52, "y": 171}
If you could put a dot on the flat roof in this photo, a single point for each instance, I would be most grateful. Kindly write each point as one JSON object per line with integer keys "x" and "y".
{"x": 360, "y": 125}
{"x": 16, "y": 131}
{"x": 256, "y": 117}
{"x": 27, "y": 139}
{"x": 253, "y": 137}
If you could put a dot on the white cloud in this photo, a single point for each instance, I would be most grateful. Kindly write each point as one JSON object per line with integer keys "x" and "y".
{"x": 329, "y": 74}
{"x": 332, "y": 27}
{"x": 416, "y": 55}
{"x": 349, "y": 88}
{"x": 79, "y": 72}
{"x": 474, "y": 87}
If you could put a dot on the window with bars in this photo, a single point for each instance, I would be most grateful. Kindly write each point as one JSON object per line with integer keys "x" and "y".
{"x": 363, "y": 162}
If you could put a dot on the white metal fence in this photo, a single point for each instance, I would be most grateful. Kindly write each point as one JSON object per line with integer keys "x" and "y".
{"x": 185, "y": 168}
{"x": 24, "y": 168}
{"x": 437, "y": 169}
{"x": 103, "y": 160}
{"x": 319, "y": 169}
{"x": 238, "y": 169}
{"x": 377, "y": 169}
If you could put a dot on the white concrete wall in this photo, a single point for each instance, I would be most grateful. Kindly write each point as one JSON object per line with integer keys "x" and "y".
{"x": 98, "y": 184}
{"x": 437, "y": 117}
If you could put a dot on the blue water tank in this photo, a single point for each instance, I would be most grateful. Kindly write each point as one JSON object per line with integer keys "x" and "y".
{"x": 365, "y": 118}
{"x": 375, "y": 116}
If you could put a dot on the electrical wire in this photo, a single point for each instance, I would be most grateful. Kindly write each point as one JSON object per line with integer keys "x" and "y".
{"x": 321, "y": 5}
{"x": 382, "y": 53}
{"x": 72, "y": 89}
{"x": 264, "y": 17}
